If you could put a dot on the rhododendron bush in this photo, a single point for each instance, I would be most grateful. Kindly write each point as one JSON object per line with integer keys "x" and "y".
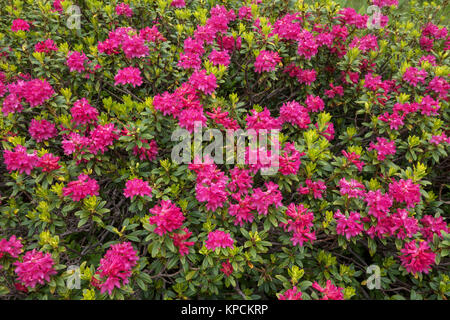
{"x": 94, "y": 206}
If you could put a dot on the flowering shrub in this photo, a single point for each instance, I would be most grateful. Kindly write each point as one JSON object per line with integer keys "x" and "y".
{"x": 93, "y": 205}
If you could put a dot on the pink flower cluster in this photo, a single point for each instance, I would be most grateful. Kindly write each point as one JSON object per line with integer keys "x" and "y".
{"x": 76, "y": 61}
{"x": 116, "y": 267}
{"x": 128, "y": 75}
{"x": 12, "y": 247}
{"x": 384, "y": 148}
{"x": 296, "y": 114}
{"x": 183, "y": 104}
{"x": 219, "y": 239}
{"x": 124, "y": 9}
{"x": 45, "y": 46}
{"x": 300, "y": 223}
{"x": 291, "y": 294}
{"x": 350, "y": 226}
{"x": 81, "y": 188}
{"x": 35, "y": 92}
{"x": 19, "y": 24}
{"x": 137, "y": 187}
{"x": 267, "y": 61}
{"x": 330, "y": 291}
{"x": 20, "y": 160}
{"x": 352, "y": 188}
{"x": 417, "y": 257}
{"x": 41, "y": 130}
{"x": 167, "y": 217}
{"x": 211, "y": 185}
{"x": 179, "y": 240}
{"x": 83, "y": 113}
{"x": 35, "y": 268}
{"x": 317, "y": 188}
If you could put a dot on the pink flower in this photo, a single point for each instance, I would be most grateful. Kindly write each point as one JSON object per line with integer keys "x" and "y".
{"x": 11, "y": 104}
{"x": 432, "y": 226}
{"x": 102, "y": 137}
{"x": 351, "y": 17}
{"x": 116, "y": 266}
{"x": 48, "y": 162}
{"x": 417, "y": 257}
{"x": 405, "y": 225}
{"x": 379, "y": 204}
{"x": 384, "y": 148}
{"x": 20, "y": 160}
{"x": 129, "y": 75}
{"x": 267, "y": 61}
{"x": 328, "y": 132}
{"x": 193, "y": 47}
{"x": 74, "y": 142}
{"x": 41, "y": 130}
{"x": 222, "y": 118}
{"x": 134, "y": 47}
{"x": 352, "y": 188}
{"x": 263, "y": 199}
{"x": 178, "y": 3}
{"x": 429, "y": 106}
{"x": 385, "y": 3}
{"x": 75, "y": 61}
{"x": 354, "y": 158}
{"x": 296, "y": 114}
{"x": 262, "y": 120}
{"x": 314, "y": 104}
{"x": 12, "y": 247}
{"x": 350, "y": 226}
{"x": 245, "y": 13}
{"x": 289, "y": 160}
{"x": 288, "y": 27}
{"x": 243, "y": 210}
{"x": 300, "y": 224}
{"x": 330, "y": 292}
{"x": 241, "y": 181}
{"x": 334, "y": 90}
{"x": 317, "y": 188}
{"x": 219, "y": 57}
{"x": 395, "y": 120}
{"x": 81, "y": 188}
{"x": 83, "y": 113}
{"x": 211, "y": 186}
{"x": 167, "y": 217}
{"x": 179, "y": 240}
{"x": 124, "y": 9}
{"x": 405, "y": 191}
{"x": 19, "y": 24}
{"x": 146, "y": 153}
{"x": 442, "y": 138}
{"x": 291, "y": 294}
{"x": 45, "y": 46}
{"x": 203, "y": 82}
{"x": 137, "y": 187}
{"x": 35, "y": 268}
{"x": 366, "y": 43}
{"x": 413, "y": 76}
{"x": 37, "y": 91}
{"x": 307, "y": 45}
{"x": 227, "y": 268}
{"x": 151, "y": 34}
{"x": 219, "y": 239}
{"x": 57, "y": 6}
{"x": 440, "y": 86}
